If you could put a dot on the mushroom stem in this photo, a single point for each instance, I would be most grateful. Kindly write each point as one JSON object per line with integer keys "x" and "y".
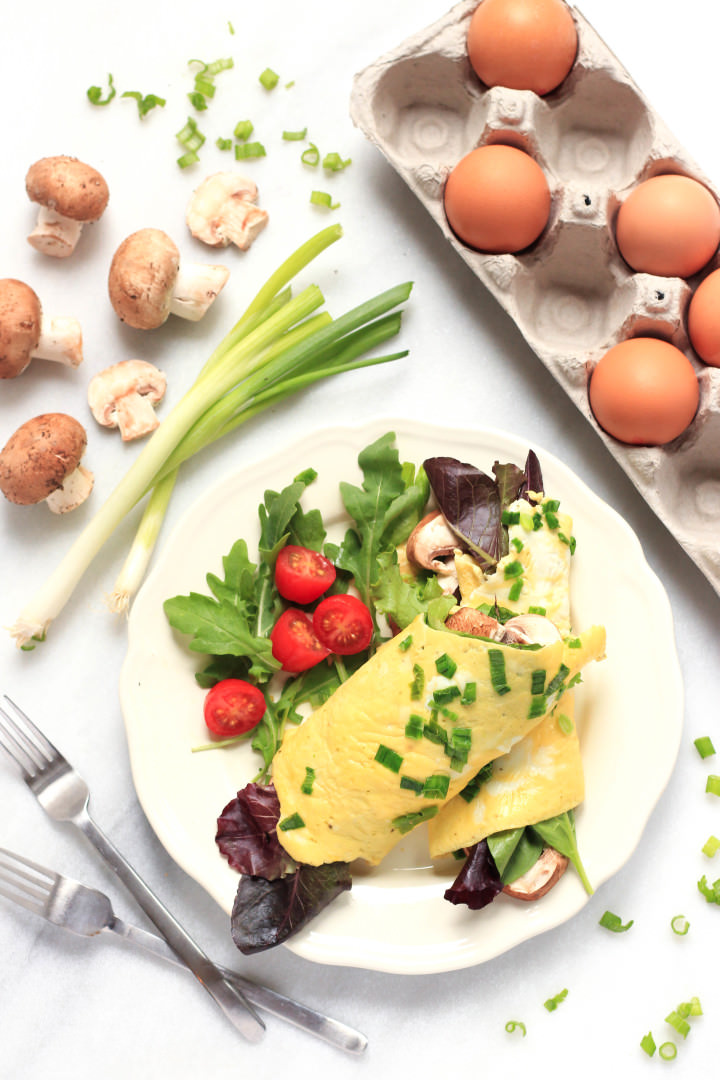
{"x": 54, "y": 234}
{"x": 75, "y": 489}
{"x": 195, "y": 288}
{"x": 60, "y": 340}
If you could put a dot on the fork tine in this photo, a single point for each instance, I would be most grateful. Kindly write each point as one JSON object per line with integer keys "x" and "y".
{"x": 24, "y": 742}
{"x": 24, "y": 881}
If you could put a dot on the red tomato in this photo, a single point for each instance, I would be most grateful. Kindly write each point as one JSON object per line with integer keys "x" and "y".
{"x": 301, "y": 574}
{"x": 232, "y": 707}
{"x": 343, "y": 623}
{"x": 294, "y": 642}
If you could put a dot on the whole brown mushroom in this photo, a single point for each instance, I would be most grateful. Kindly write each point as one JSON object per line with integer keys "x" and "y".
{"x": 71, "y": 194}
{"x": 25, "y": 333}
{"x": 147, "y": 282}
{"x": 41, "y": 462}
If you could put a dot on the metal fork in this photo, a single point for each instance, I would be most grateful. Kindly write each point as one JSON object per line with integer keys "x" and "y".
{"x": 64, "y": 795}
{"x": 88, "y": 912}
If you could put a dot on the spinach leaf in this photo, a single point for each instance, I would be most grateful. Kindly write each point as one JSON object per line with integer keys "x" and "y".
{"x": 559, "y": 832}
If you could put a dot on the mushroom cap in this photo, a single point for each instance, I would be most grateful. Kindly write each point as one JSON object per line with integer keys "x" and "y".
{"x": 67, "y": 186}
{"x": 142, "y": 276}
{"x": 20, "y": 324}
{"x": 39, "y": 456}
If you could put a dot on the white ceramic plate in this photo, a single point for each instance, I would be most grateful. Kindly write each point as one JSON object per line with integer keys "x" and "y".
{"x": 395, "y": 918}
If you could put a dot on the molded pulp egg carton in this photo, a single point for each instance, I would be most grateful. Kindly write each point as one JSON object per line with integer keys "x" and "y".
{"x": 571, "y": 294}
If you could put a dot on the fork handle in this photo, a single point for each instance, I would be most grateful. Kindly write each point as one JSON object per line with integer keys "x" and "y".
{"x": 231, "y": 1000}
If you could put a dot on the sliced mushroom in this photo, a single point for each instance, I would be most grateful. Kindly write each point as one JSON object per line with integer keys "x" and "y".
{"x": 147, "y": 281}
{"x": 432, "y": 545}
{"x": 71, "y": 194}
{"x": 531, "y": 629}
{"x": 124, "y": 396}
{"x": 25, "y": 333}
{"x": 41, "y": 461}
{"x": 467, "y": 620}
{"x": 222, "y": 211}
{"x": 540, "y": 878}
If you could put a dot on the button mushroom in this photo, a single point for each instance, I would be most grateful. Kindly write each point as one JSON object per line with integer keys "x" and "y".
{"x": 147, "y": 282}
{"x": 41, "y": 461}
{"x": 432, "y": 545}
{"x": 71, "y": 194}
{"x": 124, "y": 396}
{"x": 222, "y": 211}
{"x": 545, "y": 872}
{"x": 25, "y": 333}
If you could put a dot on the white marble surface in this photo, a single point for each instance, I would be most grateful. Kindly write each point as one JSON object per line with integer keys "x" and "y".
{"x": 80, "y": 1008}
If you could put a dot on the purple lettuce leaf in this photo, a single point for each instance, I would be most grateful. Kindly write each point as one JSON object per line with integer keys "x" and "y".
{"x": 470, "y": 503}
{"x": 247, "y": 834}
{"x": 266, "y": 913}
{"x": 478, "y": 883}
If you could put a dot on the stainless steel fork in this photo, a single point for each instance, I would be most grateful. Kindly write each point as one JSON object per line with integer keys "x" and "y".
{"x": 64, "y": 795}
{"x": 73, "y": 906}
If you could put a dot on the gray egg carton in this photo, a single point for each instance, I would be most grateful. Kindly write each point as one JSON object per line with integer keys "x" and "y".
{"x": 571, "y": 294}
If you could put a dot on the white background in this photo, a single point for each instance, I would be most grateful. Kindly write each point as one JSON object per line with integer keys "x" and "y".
{"x": 71, "y": 1007}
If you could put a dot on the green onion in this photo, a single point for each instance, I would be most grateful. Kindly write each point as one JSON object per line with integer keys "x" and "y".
{"x": 552, "y": 1003}
{"x": 445, "y": 665}
{"x": 223, "y": 144}
{"x": 710, "y": 892}
{"x": 513, "y": 569}
{"x": 613, "y": 922}
{"x": 711, "y": 846}
{"x": 389, "y": 758}
{"x": 516, "y": 1025}
{"x": 678, "y": 1022}
{"x": 496, "y": 659}
{"x": 246, "y": 150}
{"x": 269, "y": 78}
{"x": 667, "y": 1051}
{"x": 712, "y": 785}
{"x": 307, "y": 785}
{"x": 556, "y": 682}
{"x": 510, "y": 517}
{"x": 704, "y": 746}
{"x": 573, "y": 643}
{"x": 278, "y": 346}
{"x": 469, "y": 694}
{"x": 552, "y": 519}
{"x": 294, "y": 136}
{"x": 436, "y": 786}
{"x": 94, "y": 93}
{"x": 647, "y": 1043}
{"x": 407, "y": 783}
{"x": 414, "y": 727}
{"x": 310, "y": 156}
{"x": 190, "y": 136}
{"x": 198, "y": 100}
{"x": 435, "y": 733}
{"x": 323, "y": 198}
{"x": 405, "y": 644}
{"x": 537, "y": 609}
{"x": 294, "y": 821}
{"x": 406, "y": 822}
{"x": 334, "y": 163}
{"x": 679, "y": 925}
{"x": 243, "y": 130}
{"x": 537, "y": 521}
{"x": 527, "y": 523}
{"x": 551, "y": 505}
{"x": 471, "y": 789}
{"x": 190, "y": 157}
{"x": 537, "y": 681}
{"x": 418, "y": 684}
{"x": 445, "y": 694}
{"x": 538, "y": 707}
{"x": 565, "y": 724}
{"x": 145, "y": 102}
{"x": 515, "y": 589}
{"x": 517, "y": 543}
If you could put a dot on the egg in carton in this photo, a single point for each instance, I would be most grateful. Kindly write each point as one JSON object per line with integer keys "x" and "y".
{"x": 571, "y": 293}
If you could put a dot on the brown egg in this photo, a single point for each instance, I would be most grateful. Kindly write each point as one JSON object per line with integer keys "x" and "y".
{"x": 497, "y": 199}
{"x": 644, "y": 391}
{"x": 704, "y": 319}
{"x": 668, "y": 225}
{"x": 522, "y": 44}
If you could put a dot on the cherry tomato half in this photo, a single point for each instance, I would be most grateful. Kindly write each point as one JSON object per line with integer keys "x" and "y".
{"x": 343, "y": 624}
{"x": 294, "y": 642}
{"x": 301, "y": 574}
{"x": 232, "y": 707}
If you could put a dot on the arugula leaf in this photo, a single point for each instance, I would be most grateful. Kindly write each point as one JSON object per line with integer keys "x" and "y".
{"x": 400, "y": 598}
{"x": 220, "y": 628}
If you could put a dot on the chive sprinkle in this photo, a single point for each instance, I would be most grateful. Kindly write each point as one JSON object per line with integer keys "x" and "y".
{"x": 538, "y": 707}
{"x": 471, "y": 789}
{"x": 704, "y": 746}
{"x": 323, "y": 198}
{"x": 446, "y": 666}
{"x": 310, "y": 156}
{"x": 552, "y": 1003}
{"x": 515, "y": 589}
{"x": 435, "y": 733}
{"x": 537, "y": 609}
{"x": 556, "y": 682}
{"x": 406, "y": 822}
{"x": 408, "y": 784}
{"x": 445, "y": 694}
{"x": 510, "y": 517}
{"x": 389, "y": 758}
{"x": 405, "y": 644}
{"x": 678, "y": 1022}
{"x": 710, "y": 892}
{"x": 414, "y": 727}
{"x": 497, "y": 671}
{"x": 294, "y": 821}
{"x": 537, "y": 681}
{"x": 436, "y": 786}
{"x": 243, "y": 130}
{"x": 294, "y": 136}
{"x": 469, "y": 694}
{"x": 565, "y": 724}
{"x": 418, "y": 684}
{"x": 307, "y": 785}
{"x": 613, "y": 922}
{"x": 513, "y": 569}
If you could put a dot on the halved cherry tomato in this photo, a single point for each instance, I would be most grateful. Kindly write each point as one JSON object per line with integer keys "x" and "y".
{"x": 343, "y": 624}
{"x": 294, "y": 642}
{"x": 301, "y": 574}
{"x": 232, "y": 707}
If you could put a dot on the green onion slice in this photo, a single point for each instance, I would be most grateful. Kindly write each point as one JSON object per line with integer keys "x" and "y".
{"x": 552, "y": 1003}
{"x": 269, "y": 78}
{"x": 294, "y": 821}
{"x": 323, "y": 198}
{"x": 711, "y": 847}
{"x": 389, "y": 758}
{"x": 679, "y": 925}
{"x": 246, "y": 150}
{"x": 496, "y": 659}
{"x": 516, "y": 1025}
{"x": 704, "y": 746}
{"x": 613, "y": 922}
{"x": 94, "y": 93}
{"x": 667, "y": 1051}
{"x": 406, "y": 822}
{"x": 647, "y": 1043}
{"x": 310, "y": 156}
{"x": 295, "y": 136}
{"x": 243, "y": 130}
{"x": 712, "y": 786}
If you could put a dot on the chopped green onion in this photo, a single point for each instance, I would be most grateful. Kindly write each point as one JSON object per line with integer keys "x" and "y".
{"x": 231, "y": 28}
{"x": 667, "y": 1051}
{"x": 538, "y": 707}
{"x": 389, "y": 758}
{"x": 513, "y": 569}
{"x": 712, "y": 786}
{"x": 414, "y": 727}
{"x": 710, "y": 892}
{"x": 471, "y": 789}
{"x": 556, "y": 682}
{"x": 406, "y": 822}
{"x": 145, "y": 102}
{"x": 334, "y": 163}
{"x": 517, "y": 543}
{"x": 647, "y": 1043}
{"x": 405, "y": 644}
{"x": 94, "y": 93}
{"x": 552, "y": 1003}
{"x": 197, "y": 100}
{"x": 311, "y": 156}
{"x": 565, "y": 724}
{"x": 711, "y": 847}
{"x": 537, "y": 681}
{"x": 469, "y": 694}
{"x": 307, "y": 785}
{"x": 516, "y": 1025}
{"x": 418, "y": 684}
{"x": 527, "y": 523}
{"x": 515, "y": 589}
{"x": 436, "y": 786}
{"x": 704, "y": 746}
{"x": 537, "y": 522}
{"x": 190, "y": 157}
{"x": 224, "y": 63}
{"x": 435, "y": 733}
{"x": 678, "y": 1022}
{"x": 551, "y": 505}
{"x": 243, "y": 130}
{"x": 613, "y": 922}
{"x": 294, "y": 136}
{"x": 223, "y": 144}
{"x": 496, "y": 659}
{"x": 537, "y": 609}
{"x": 445, "y": 694}
{"x": 409, "y": 784}
{"x": 269, "y": 78}
{"x": 679, "y": 925}
{"x": 294, "y": 821}
{"x": 323, "y": 198}
{"x": 510, "y": 517}
{"x": 246, "y": 150}
{"x": 445, "y": 665}
{"x": 190, "y": 136}
{"x": 552, "y": 519}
